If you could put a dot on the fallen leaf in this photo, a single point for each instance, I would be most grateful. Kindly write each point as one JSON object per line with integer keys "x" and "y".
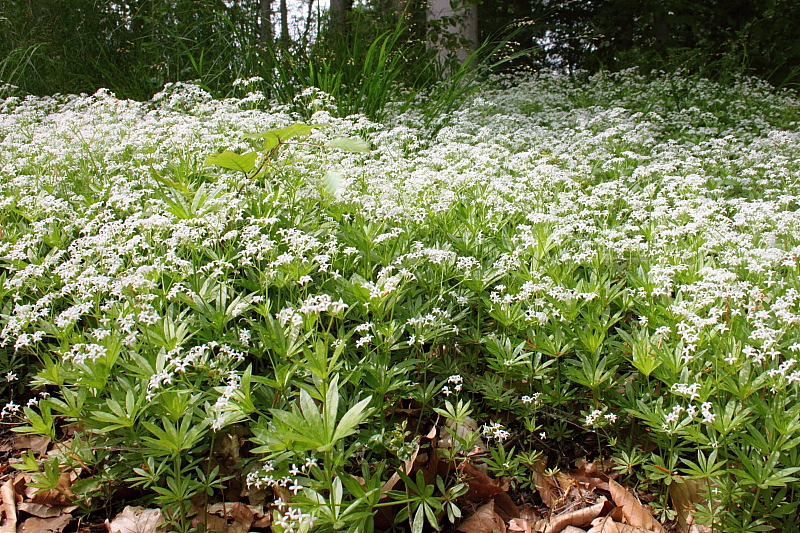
{"x": 598, "y": 467}
{"x": 604, "y": 525}
{"x": 36, "y": 443}
{"x": 263, "y": 522}
{"x": 529, "y": 512}
{"x": 506, "y": 507}
{"x": 613, "y": 527}
{"x": 549, "y": 490}
{"x": 485, "y": 520}
{"x": 595, "y": 474}
{"x": 633, "y": 511}
{"x": 226, "y": 509}
{"x": 209, "y": 522}
{"x": 61, "y": 495}
{"x": 243, "y": 518}
{"x": 136, "y": 520}
{"x": 684, "y": 497}
{"x": 45, "y": 525}
{"x": 44, "y": 511}
{"x": 9, "y": 502}
{"x": 579, "y": 518}
{"x": 480, "y": 486}
{"x": 519, "y": 524}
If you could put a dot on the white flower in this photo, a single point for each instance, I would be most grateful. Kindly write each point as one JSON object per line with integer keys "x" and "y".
{"x": 364, "y": 340}
{"x": 592, "y": 417}
{"x": 295, "y": 487}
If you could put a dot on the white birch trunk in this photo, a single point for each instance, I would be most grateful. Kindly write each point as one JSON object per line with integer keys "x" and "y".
{"x": 466, "y": 15}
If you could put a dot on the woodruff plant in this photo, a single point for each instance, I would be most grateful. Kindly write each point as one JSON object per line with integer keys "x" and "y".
{"x": 610, "y": 275}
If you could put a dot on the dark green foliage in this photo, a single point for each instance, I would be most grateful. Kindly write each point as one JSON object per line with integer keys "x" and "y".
{"x": 131, "y": 47}
{"x": 714, "y": 38}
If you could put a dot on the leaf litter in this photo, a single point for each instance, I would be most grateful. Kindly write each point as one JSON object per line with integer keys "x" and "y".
{"x": 586, "y": 499}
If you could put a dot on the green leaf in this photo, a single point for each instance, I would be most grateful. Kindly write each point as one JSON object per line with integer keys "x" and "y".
{"x": 332, "y": 181}
{"x": 352, "y": 418}
{"x": 331, "y": 407}
{"x": 283, "y": 134}
{"x": 273, "y": 138}
{"x": 233, "y": 161}
{"x": 311, "y": 414}
{"x": 348, "y": 145}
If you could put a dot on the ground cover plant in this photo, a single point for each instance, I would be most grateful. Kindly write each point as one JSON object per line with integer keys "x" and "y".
{"x": 208, "y": 301}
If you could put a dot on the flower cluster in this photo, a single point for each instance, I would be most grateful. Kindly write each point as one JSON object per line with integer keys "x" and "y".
{"x": 495, "y": 430}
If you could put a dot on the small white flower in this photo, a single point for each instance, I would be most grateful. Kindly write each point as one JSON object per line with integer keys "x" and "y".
{"x": 295, "y": 487}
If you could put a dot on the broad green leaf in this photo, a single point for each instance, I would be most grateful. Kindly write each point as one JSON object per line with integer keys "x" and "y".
{"x": 332, "y": 181}
{"x": 289, "y": 132}
{"x": 348, "y": 145}
{"x": 331, "y": 406}
{"x": 233, "y": 161}
{"x": 352, "y": 418}
{"x": 311, "y": 414}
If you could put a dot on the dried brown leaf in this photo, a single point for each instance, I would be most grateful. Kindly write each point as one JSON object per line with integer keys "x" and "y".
{"x": 227, "y": 509}
{"x": 684, "y": 497}
{"x": 45, "y": 525}
{"x": 520, "y": 524}
{"x": 578, "y": 518}
{"x": 485, "y": 520}
{"x": 506, "y": 507}
{"x": 136, "y": 520}
{"x": 242, "y": 516}
{"x": 529, "y": 512}
{"x": 599, "y": 467}
{"x": 549, "y": 490}
{"x": 613, "y": 527}
{"x": 604, "y": 525}
{"x": 44, "y": 511}
{"x": 36, "y": 443}
{"x": 210, "y": 522}
{"x": 481, "y": 486}
{"x": 61, "y": 495}
{"x": 633, "y": 511}
{"x": 9, "y": 507}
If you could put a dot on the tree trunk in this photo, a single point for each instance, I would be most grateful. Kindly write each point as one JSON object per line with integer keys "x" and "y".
{"x": 460, "y": 35}
{"x": 309, "y": 21}
{"x": 265, "y": 23}
{"x": 338, "y": 15}
{"x": 284, "y": 25}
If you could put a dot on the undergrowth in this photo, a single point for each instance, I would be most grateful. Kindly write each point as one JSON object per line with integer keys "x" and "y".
{"x": 602, "y": 267}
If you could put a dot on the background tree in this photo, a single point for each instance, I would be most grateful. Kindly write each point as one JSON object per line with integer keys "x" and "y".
{"x": 134, "y": 47}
